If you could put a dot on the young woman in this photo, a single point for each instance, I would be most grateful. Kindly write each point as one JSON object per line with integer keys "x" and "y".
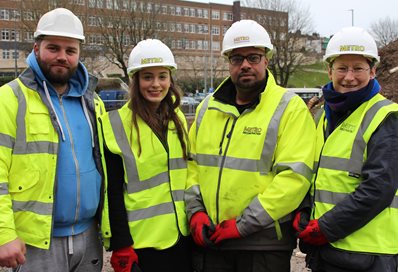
{"x": 146, "y": 154}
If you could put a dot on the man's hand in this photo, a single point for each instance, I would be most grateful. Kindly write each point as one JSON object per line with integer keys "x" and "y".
{"x": 300, "y": 222}
{"x": 12, "y": 253}
{"x": 122, "y": 260}
{"x": 201, "y": 228}
{"x": 313, "y": 235}
{"x": 225, "y": 230}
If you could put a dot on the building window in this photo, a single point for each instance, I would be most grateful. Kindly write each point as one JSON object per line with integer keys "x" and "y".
{"x": 215, "y": 30}
{"x": 215, "y": 45}
{"x": 193, "y": 45}
{"x": 205, "y": 45}
{"x": 172, "y": 10}
{"x": 215, "y": 14}
{"x": 186, "y": 11}
{"x": 29, "y": 36}
{"x": 15, "y": 54}
{"x": 205, "y": 13}
{"x": 199, "y": 29}
{"x": 224, "y": 29}
{"x": 15, "y": 15}
{"x": 186, "y": 28}
{"x": 4, "y": 14}
{"x": 92, "y": 21}
{"x": 227, "y": 16}
{"x": 78, "y": 2}
{"x": 28, "y": 16}
{"x": 199, "y": 45}
{"x": 200, "y": 13}
{"x": 109, "y": 4}
{"x": 179, "y": 44}
{"x": 9, "y": 35}
{"x": 178, "y": 11}
{"x": 164, "y": 9}
{"x": 126, "y": 40}
{"x": 6, "y": 54}
{"x": 192, "y": 28}
{"x": 179, "y": 27}
{"x": 192, "y": 12}
{"x": 172, "y": 27}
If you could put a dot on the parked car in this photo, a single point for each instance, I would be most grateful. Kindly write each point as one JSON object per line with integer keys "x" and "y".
{"x": 187, "y": 100}
{"x": 113, "y": 91}
{"x": 306, "y": 93}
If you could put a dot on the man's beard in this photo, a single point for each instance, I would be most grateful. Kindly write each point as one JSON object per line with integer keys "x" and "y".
{"x": 249, "y": 86}
{"x": 53, "y": 77}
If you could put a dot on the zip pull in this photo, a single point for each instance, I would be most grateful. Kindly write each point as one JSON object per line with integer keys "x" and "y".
{"x": 222, "y": 138}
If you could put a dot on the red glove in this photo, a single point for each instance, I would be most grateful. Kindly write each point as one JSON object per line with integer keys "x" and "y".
{"x": 312, "y": 234}
{"x": 300, "y": 222}
{"x": 122, "y": 260}
{"x": 225, "y": 230}
{"x": 201, "y": 227}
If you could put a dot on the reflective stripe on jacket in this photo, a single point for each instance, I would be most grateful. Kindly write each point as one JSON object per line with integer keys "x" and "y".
{"x": 154, "y": 181}
{"x": 254, "y": 166}
{"x": 28, "y": 155}
{"x": 339, "y": 174}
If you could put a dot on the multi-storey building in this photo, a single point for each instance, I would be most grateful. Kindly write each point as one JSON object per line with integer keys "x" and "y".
{"x": 194, "y": 31}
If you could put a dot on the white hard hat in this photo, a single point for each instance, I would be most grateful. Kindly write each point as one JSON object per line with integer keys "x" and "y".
{"x": 60, "y": 22}
{"x": 150, "y": 53}
{"x": 246, "y": 33}
{"x": 351, "y": 40}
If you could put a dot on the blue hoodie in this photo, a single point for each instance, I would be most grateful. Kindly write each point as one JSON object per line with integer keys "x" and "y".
{"x": 78, "y": 181}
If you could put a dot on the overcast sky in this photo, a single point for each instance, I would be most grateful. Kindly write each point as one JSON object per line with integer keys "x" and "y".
{"x": 329, "y": 16}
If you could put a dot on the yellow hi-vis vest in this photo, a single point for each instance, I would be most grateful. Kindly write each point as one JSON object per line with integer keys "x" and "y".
{"x": 154, "y": 181}
{"x": 254, "y": 166}
{"x": 28, "y": 160}
{"x": 341, "y": 159}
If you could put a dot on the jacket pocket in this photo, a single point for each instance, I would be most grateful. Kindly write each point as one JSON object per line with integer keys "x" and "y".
{"x": 39, "y": 120}
{"x": 344, "y": 259}
{"x": 22, "y": 181}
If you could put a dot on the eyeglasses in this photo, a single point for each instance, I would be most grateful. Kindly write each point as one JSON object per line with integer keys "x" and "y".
{"x": 238, "y": 59}
{"x": 357, "y": 71}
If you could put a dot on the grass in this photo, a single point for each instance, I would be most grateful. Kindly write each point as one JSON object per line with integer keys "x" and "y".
{"x": 309, "y": 76}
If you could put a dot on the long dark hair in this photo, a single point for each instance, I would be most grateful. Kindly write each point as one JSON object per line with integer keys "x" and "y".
{"x": 158, "y": 121}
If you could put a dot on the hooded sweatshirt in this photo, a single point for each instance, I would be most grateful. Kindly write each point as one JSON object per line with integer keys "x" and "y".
{"x": 78, "y": 182}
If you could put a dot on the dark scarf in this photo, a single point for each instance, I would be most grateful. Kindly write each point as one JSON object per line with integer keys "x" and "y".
{"x": 340, "y": 105}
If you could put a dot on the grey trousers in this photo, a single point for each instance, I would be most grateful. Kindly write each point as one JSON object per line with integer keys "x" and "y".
{"x": 82, "y": 252}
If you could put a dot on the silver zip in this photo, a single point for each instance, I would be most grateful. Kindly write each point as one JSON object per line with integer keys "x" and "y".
{"x": 74, "y": 159}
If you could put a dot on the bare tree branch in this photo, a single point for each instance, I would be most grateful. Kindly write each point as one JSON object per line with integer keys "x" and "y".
{"x": 385, "y": 31}
{"x": 122, "y": 27}
{"x": 284, "y": 38}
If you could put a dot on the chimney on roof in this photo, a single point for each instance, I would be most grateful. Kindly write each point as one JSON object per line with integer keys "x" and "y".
{"x": 236, "y": 11}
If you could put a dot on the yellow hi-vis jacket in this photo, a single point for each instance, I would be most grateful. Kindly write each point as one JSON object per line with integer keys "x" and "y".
{"x": 154, "y": 181}
{"x": 255, "y": 166}
{"x": 341, "y": 158}
{"x": 28, "y": 161}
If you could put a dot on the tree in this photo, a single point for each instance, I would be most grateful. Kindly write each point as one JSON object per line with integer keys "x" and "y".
{"x": 385, "y": 31}
{"x": 124, "y": 25}
{"x": 31, "y": 12}
{"x": 285, "y": 38}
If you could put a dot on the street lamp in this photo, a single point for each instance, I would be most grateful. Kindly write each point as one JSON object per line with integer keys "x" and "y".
{"x": 352, "y": 16}
{"x": 15, "y": 49}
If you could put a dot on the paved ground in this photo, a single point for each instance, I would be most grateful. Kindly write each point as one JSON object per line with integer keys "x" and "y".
{"x": 298, "y": 264}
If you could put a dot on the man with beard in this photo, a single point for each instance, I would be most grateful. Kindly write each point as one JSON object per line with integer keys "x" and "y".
{"x": 252, "y": 148}
{"x": 50, "y": 163}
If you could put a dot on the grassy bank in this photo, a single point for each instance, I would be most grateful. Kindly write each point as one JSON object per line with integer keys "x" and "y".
{"x": 309, "y": 76}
